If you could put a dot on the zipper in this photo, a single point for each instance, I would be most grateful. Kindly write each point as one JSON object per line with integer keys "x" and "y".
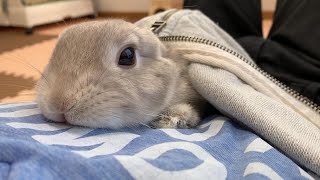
{"x": 284, "y": 87}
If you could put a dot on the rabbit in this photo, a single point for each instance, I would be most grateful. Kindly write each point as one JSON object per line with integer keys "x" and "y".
{"x": 113, "y": 74}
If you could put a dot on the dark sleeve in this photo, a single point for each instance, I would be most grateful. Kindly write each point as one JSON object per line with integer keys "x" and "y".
{"x": 238, "y": 17}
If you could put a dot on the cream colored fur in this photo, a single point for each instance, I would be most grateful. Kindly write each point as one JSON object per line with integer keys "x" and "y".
{"x": 83, "y": 84}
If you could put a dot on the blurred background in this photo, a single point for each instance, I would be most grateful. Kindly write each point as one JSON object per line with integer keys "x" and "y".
{"x": 29, "y": 30}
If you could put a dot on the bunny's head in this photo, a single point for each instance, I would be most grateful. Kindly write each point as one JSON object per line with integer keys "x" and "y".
{"x": 106, "y": 74}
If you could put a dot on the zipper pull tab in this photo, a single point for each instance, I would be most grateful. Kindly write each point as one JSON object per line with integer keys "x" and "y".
{"x": 157, "y": 26}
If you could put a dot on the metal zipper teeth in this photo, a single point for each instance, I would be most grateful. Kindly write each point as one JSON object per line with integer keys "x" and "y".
{"x": 287, "y": 89}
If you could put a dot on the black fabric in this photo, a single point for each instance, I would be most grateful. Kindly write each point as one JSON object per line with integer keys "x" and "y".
{"x": 237, "y": 17}
{"x": 291, "y": 52}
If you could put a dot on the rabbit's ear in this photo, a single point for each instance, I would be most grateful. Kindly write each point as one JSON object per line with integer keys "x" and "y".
{"x": 149, "y": 44}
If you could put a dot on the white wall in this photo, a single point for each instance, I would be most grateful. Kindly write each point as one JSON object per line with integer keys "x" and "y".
{"x": 268, "y": 5}
{"x": 143, "y": 5}
{"x": 122, "y": 5}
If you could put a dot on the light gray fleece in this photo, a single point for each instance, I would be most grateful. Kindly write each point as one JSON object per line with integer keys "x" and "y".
{"x": 240, "y": 91}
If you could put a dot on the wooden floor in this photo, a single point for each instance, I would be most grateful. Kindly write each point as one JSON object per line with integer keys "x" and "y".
{"x": 22, "y": 57}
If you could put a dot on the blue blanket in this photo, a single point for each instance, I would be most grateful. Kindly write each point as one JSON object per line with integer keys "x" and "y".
{"x": 33, "y": 148}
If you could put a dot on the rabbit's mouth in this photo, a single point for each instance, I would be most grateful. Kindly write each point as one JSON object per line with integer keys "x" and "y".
{"x": 102, "y": 117}
{"x": 56, "y": 117}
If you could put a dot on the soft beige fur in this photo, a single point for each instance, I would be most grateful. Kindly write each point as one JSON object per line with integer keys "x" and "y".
{"x": 83, "y": 84}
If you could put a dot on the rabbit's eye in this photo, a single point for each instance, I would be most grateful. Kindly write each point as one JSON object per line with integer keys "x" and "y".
{"x": 127, "y": 57}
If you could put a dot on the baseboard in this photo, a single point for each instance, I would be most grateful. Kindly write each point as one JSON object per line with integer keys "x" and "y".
{"x": 130, "y": 16}
{"x": 138, "y": 15}
{"x": 267, "y": 14}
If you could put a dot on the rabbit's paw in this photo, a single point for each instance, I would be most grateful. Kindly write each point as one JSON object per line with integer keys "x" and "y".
{"x": 177, "y": 116}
